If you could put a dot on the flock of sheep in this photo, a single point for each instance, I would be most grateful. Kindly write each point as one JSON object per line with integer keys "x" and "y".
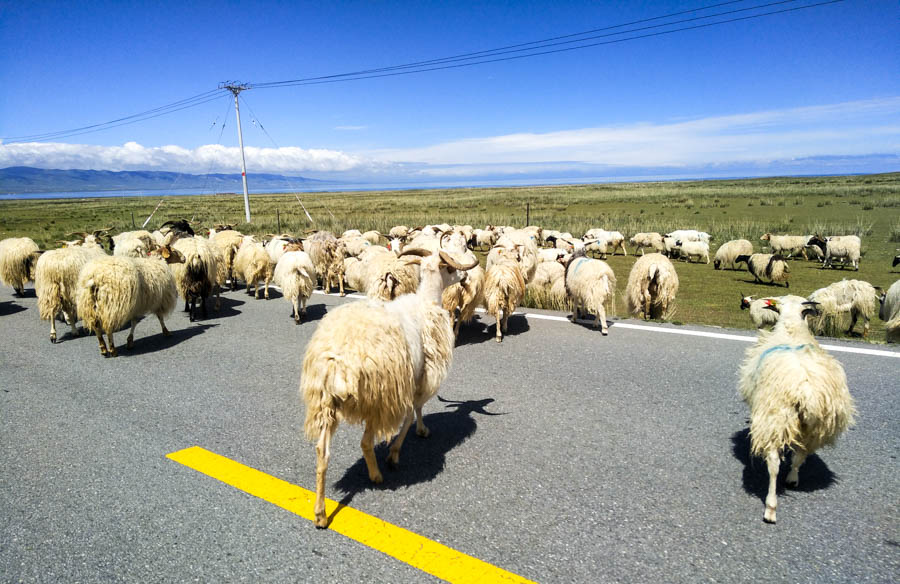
{"x": 378, "y": 361}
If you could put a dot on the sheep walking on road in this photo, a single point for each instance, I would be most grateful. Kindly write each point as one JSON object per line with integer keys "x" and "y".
{"x": 797, "y": 393}
{"x": 18, "y": 260}
{"x": 377, "y": 363}
{"x": 296, "y": 275}
{"x": 56, "y": 282}
{"x": 504, "y": 288}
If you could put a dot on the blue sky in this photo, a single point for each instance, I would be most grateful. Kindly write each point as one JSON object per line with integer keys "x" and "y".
{"x": 759, "y": 94}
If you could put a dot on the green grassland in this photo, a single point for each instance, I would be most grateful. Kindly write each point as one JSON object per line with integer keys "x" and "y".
{"x": 868, "y": 206}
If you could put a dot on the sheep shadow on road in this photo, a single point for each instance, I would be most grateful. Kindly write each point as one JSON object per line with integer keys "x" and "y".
{"x": 7, "y": 308}
{"x": 814, "y": 474}
{"x": 156, "y": 341}
{"x": 482, "y": 329}
{"x": 421, "y": 459}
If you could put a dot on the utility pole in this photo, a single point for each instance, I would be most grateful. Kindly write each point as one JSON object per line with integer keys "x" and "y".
{"x": 236, "y": 88}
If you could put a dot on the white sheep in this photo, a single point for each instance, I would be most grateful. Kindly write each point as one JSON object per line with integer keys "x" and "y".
{"x": 797, "y": 393}
{"x": 728, "y": 252}
{"x": 651, "y": 240}
{"x": 765, "y": 265}
{"x": 327, "y": 254}
{"x": 787, "y": 245}
{"x": 590, "y": 286}
{"x": 604, "y": 241}
{"x": 842, "y": 300}
{"x": 462, "y": 299}
{"x": 253, "y": 265}
{"x": 55, "y": 282}
{"x": 689, "y": 235}
{"x": 197, "y": 276}
{"x": 133, "y": 244}
{"x": 670, "y": 247}
{"x": 18, "y": 260}
{"x": 652, "y": 286}
{"x": 692, "y": 249}
{"x": 890, "y": 312}
{"x": 113, "y": 291}
{"x": 504, "y": 287}
{"x": 227, "y": 242}
{"x": 486, "y": 237}
{"x": 843, "y": 247}
{"x": 296, "y": 275}
{"x": 549, "y": 283}
{"x": 520, "y": 241}
{"x": 760, "y": 314}
{"x": 377, "y": 363}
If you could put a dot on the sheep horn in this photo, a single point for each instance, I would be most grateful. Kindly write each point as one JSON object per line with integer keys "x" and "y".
{"x": 416, "y": 252}
{"x": 448, "y": 259}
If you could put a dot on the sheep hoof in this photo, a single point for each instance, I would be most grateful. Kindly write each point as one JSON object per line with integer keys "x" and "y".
{"x": 604, "y": 332}
{"x": 769, "y": 516}
{"x": 343, "y": 294}
{"x": 423, "y": 432}
{"x": 378, "y": 478}
{"x": 498, "y": 339}
{"x": 792, "y": 483}
{"x": 53, "y": 339}
{"x": 129, "y": 345}
{"x": 166, "y": 333}
{"x": 321, "y": 521}
{"x": 113, "y": 352}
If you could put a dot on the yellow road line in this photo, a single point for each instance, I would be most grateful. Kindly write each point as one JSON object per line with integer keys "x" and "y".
{"x": 417, "y": 551}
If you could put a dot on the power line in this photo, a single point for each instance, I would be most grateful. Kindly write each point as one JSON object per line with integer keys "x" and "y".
{"x": 392, "y": 71}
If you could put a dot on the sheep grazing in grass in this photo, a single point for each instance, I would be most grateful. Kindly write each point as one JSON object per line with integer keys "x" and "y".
{"x": 253, "y": 265}
{"x": 773, "y": 268}
{"x": 729, "y": 251}
{"x": 651, "y": 240}
{"x": 377, "y": 363}
{"x": 591, "y": 287}
{"x": 760, "y": 314}
{"x": 197, "y": 276}
{"x": 549, "y": 285}
{"x": 844, "y": 301}
{"x": 670, "y": 247}
{"x": 113, "y": 291}
{"x": 787, "y": 245}
{"x": 845, "y": 248}
{"x": 890, "y": 312}
{"x": 797, "y": 393}
{"x": 56, "y": 280}
{"x": 504, "y": 287}
{"x": 18, "y": 260}
{"x": 486, "y": 237}
{"x": 652, "y": 286}
{"x": 606, "y": 241}
{"x": 296, "y": 275}
{"x": 693, "y": 249}
{"x": 689, "y": 235}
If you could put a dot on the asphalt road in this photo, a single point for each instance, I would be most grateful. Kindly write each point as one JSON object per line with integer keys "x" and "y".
{"x": 560, "y": 456}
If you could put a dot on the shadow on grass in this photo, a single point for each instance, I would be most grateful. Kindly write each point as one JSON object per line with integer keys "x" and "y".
{"x": 421, "y": 459}
{"x": 814, "y": 474}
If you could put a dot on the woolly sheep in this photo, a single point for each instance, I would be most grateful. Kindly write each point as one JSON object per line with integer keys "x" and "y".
{"x": 227, "y": 242}
{"x": 760, "y": 314}
{"x": 296, "y": 275}
{"x": 692, "y": 249}
{"x": 728, "y": 252}
{"x": 526, "y": 248}
{"x": 651, "y": 240}
{"x": 765, "y": 265}
{"x": 606, "y": 241}
{"x": 689, "y": 235}
{"x": 504, "y": 287}
{"x": 196, "y": 278}
{"x": 400, "y": 232}
{"x": 253, "y": 265}
{"x": 18, "y": 260}
{"x": 328, "y": 258}
{"x": 485, "y": 237}
{"x": 549, "y": 282}
{"x": 670, "y": 247}
{"x": 840, "y": 300}
{"x": 388, "y": 276}
{"x": 113, "y": 291}
{"x": 890, "y": 312}
{"x": 652, "y": 286}
{"x": 797, "y": 394}
{"x": 377, "y": 363}
{"x": 843, "y": 247}
{"x": 133, "y": 244}
{"x": 463, "y": 298}
{"x": 55, "y": 282}
{"x": 787, "y": 245}
{"x": 590, "y": 286}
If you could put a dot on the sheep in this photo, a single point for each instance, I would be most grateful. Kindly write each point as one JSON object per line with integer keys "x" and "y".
{"x": 275, "y": 247}
{"x": 377, "y": 363}
{"x": 486, "y": 237}
{"x": 729, "y": 251}
{"x": 296, "y": 275}
{"x": 400, "y": 232}
{"x": 605, "y": 240}
{"x": 691, "y": 249}
{"x": 689, "y": 235}
{"x": 590, "y": 286}
{"x": 890, "y": 312}
{"x": 55, "y": 282}
{"x": 765, "y": 265}
{"x": 134, "y": 244}
{"x": 787, "y": 245}
{"x": 550, "y": 283}
{"x": 853, "y": 298}
{"x": 388, "y": 276}
{"x": 327, "y": 254}
{"x": 18, "y": 260}
{"x": 651, "y": 240}
{"x": 527, "y": 251}
{"x": 462, "y": 299}
{"x": 652, "y": 286}
{"x": 760, "y": 315}
{"x": 354, "y": 274}
{"x": 196, "y": 278}
{"x": 549, "y": 255}
{"x": 670, "y": 247}
{"x": 355, "y": 245}
{"x": 844, "y": 247}
{"x": 113, "y": 290}
{"x": 253, "y": 265}
{"x": 797, "y": 394}
{"x": 227, "y": 242}
{"x": 504, "y": 287}
{"x": 373, "y": 237}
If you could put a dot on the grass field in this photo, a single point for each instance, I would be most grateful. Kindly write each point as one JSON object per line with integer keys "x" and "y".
{"x": 868, "y": 206}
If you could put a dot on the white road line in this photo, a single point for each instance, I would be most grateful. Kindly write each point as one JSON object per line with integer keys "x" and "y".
{"x": 671, "y": 331}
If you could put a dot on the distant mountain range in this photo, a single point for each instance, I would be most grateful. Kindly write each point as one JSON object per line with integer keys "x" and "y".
{"x": 25, "y": 179}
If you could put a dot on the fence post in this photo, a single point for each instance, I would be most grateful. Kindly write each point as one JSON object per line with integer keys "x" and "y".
{"x": 133, "y": 225}
{"x": 278, "y": 216}
{"x": 527, "y": 214}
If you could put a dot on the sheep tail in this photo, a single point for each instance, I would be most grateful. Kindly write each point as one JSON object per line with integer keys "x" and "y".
{"x": 324, "y": 386}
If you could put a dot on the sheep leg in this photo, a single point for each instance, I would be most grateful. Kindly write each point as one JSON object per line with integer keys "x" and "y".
{"x": 112, "y": 344}
{"x": 53, "y": 328}
{"x": 421, "y": 429}
{"x": 72, "y": 320}
{"x": 323, "y": 453}
{"x": 267, "y": 287}
{"x": 162, "y": 324}
{"x": 218, "y": 304}
{"x": 601, "y": 319}
{"x": 368, "y": 447}
{"x": 296, "y": 314}
{"x": 773, "y": 462}
{"x": 793, "y": 478}
{"x": 103, "y": 349}
{"x": 394, "y": 456}
{"x": 498, "y": 336}
{"x": 190, "y": 309}
{"x": 203, "y": 312}
{"x": 505, "y": 319}
{"x": 129, "y": 343}
{"x": 341, "y": 287}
